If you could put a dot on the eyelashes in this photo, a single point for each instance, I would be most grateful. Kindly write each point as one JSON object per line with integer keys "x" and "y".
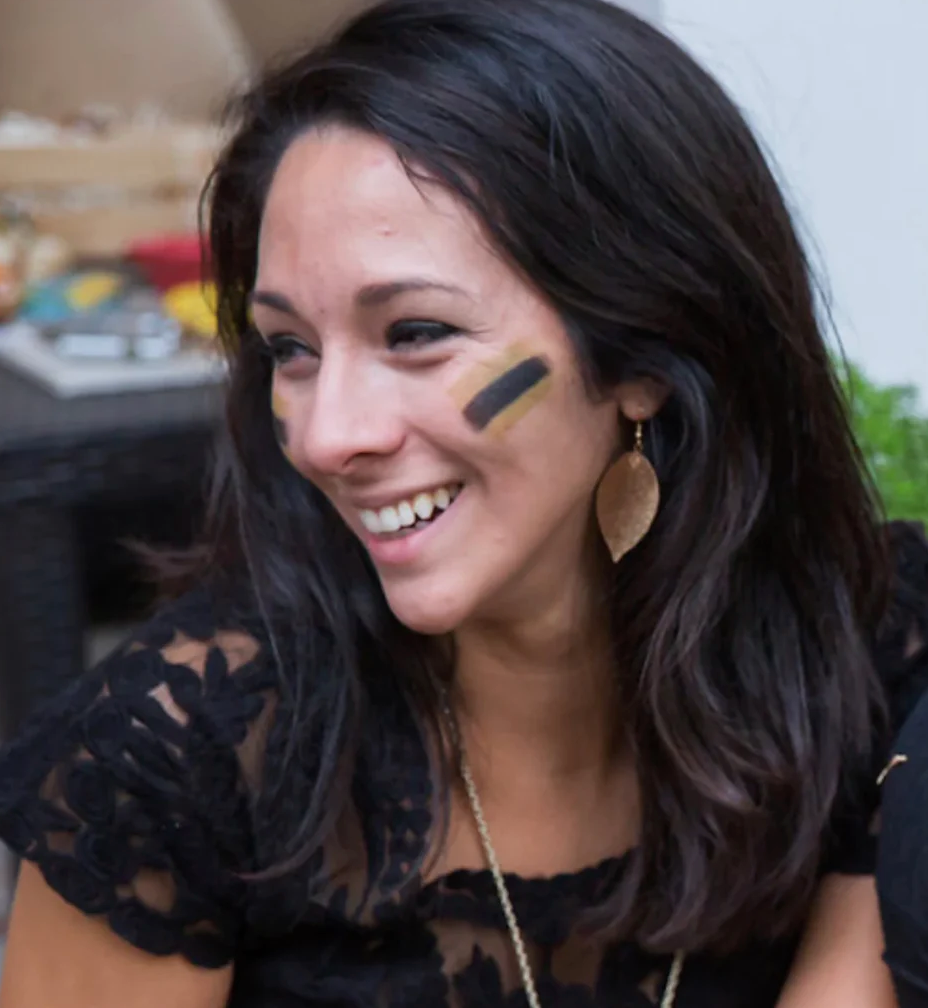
{"x": 282, "y": 348}
{"x": 411, "y": 333}
{"x": 403, "y": 336}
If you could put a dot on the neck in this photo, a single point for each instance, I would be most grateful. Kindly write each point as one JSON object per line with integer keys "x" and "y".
{"x": 540, "y": 691}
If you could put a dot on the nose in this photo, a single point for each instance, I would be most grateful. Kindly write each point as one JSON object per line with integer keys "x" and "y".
{"x": 353, "y": 413}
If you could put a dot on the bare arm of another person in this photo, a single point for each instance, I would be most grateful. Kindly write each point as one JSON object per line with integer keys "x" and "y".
{"x": 839, "y": 964}
{"x": 58, "y": 956}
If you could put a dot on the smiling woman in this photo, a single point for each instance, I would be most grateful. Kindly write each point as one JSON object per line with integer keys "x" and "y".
{"x": 533, "y": 652}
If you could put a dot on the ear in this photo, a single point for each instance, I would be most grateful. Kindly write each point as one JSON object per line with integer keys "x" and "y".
{"x": 640, "y": 399}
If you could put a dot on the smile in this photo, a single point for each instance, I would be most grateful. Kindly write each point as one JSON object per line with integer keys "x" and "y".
{"x": 412, "y": 513}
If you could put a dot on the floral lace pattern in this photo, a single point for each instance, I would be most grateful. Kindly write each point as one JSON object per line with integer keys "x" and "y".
{"x": 137, "y": 793}
{"x": 103, "y": 790}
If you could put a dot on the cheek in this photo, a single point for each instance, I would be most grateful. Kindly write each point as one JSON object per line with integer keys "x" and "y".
{"x": 495, "y": 395}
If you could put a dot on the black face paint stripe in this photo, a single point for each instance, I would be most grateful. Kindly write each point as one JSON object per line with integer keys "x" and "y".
{"x": 502, "y": 392}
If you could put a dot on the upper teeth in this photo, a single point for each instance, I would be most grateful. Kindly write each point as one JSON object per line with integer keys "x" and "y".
{"x": 406, "y": 513}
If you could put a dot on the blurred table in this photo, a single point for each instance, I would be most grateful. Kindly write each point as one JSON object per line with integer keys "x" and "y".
{"x": 59, "y": 457}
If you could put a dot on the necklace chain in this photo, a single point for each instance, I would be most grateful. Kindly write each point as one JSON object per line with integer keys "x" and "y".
{"x": 515, "y": 933}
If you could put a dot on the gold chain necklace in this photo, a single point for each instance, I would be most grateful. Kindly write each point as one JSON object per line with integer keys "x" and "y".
{"x": 515, "y": 933}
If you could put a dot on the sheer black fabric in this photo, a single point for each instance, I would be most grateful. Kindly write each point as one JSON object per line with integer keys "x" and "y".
{"x": 902, "y": 871}
{"x": 141, "y": 794}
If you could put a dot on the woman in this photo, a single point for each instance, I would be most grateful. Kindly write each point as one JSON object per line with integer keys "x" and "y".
{"x": 528, "y": 661}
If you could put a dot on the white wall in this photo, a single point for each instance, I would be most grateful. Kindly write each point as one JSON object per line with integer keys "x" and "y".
{"x": 838, "y": 90}
{"x": 643, "y": 8}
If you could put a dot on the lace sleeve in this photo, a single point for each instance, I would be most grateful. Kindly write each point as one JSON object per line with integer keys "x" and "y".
{"x": 128, "y": 791}
{"x": 901, "y": 659}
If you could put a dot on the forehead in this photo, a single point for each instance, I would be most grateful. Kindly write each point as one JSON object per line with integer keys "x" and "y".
{"x": 342, "y": 198}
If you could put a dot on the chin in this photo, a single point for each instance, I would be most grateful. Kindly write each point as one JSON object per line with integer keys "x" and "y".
{"x": 424, "y": 612}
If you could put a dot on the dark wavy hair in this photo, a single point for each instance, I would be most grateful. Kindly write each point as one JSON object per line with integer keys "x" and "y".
{"x": 619, "y": 178}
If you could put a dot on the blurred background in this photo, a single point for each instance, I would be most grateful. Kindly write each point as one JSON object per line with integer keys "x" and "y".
{"x": 110, "y": 389}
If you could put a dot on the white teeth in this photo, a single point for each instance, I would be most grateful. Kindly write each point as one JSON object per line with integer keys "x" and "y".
{"x": 389, "y": 519}
{"x": 423, "y": 505}
{"x": 371, "y": 521}
{"x": 406, "y": 514}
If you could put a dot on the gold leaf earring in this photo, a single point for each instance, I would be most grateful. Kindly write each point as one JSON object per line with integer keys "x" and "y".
{"x": 627, "y": 499}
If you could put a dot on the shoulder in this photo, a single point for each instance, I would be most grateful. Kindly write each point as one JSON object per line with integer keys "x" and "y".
{"x": 130, "y": 790}
{"x": 199, "y": 664}
{"x": 903, "y": 660}
{"x": 901, "y": 644}
{"x": 206, "y": 659}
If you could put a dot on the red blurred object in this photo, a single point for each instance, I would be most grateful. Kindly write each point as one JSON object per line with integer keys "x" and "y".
{"x": 169, "y": 260}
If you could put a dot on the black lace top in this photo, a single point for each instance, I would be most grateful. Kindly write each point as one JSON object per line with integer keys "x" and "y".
{"x": 135, "y": 792}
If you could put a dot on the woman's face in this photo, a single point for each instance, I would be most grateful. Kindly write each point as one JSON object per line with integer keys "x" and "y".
{"x": 426, "y": 388}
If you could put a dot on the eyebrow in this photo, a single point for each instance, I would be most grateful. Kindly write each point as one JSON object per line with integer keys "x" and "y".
{"x": 270, "y": 299}
{"x": 378, "y": 294}
{"x": 371, "y": 296}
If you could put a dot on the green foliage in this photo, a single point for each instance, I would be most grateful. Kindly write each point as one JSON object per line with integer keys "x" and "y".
{"x": 893, "y": 435}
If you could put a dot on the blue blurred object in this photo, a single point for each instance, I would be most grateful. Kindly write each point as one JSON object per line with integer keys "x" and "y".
{"x": 61, "y": 298}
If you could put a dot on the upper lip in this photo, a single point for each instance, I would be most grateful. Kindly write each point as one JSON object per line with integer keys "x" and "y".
{"x": 382, "y": 499}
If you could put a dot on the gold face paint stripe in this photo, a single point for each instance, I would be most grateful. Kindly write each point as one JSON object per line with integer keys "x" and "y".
{"x": 279, "y": 413}
{"x": 507, "y": 392}
{"x": 278, "y": 405}
{"x": 278, "y": 417}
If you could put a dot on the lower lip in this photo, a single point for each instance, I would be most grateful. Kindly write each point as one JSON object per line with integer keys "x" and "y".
{"x": 406, "y": 549}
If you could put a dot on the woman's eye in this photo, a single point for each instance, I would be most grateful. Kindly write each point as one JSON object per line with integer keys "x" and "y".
{"x": 283, "y": 348}
{"x": 413, "y": 333}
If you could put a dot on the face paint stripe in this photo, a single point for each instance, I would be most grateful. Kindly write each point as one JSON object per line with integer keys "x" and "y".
{"x": 477, "y": 379}
{"x": 278, "y": 405}
{"x": 503, "y": 421}
{"x": 279, "y": 413}
{"x": 505, "y": 392}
